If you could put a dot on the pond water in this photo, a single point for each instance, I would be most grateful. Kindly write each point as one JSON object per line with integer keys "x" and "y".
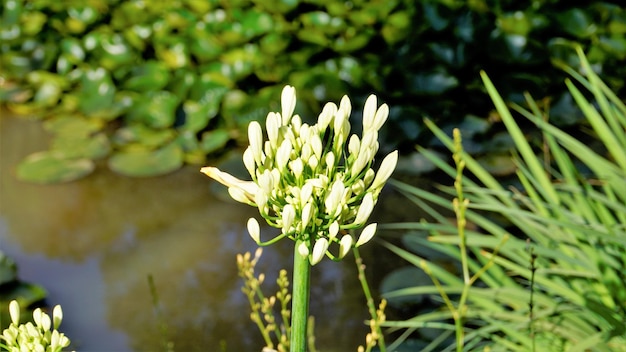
{"x": 93, "y": 243}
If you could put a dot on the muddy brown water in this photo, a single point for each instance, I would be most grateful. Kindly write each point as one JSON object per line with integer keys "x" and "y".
{"x": 92, "y": 244}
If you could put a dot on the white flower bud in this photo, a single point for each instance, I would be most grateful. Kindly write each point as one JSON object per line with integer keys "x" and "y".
{"x": 248, "y": 161}
{"x": 313, "y": 162}
{"x": 319, "y": 249}
{"x": 345, "y": 245}
{"x": 255, "y": 137}
{"x": 345, "y": 106}
{"x": 369, "y": 177}
{"x": 381, "y": 117}
{"x": 266, "y": 181}
{"x": 360, "y": 162}
{"x": 260, "y": 198}
{"x": 283, "y": 154}
{"x": 297, "y": 167}
{"x": 296, "y": 123}
{"x": 333, "y": 230}
{"x": 334, "y": 197}
{"x": 14, "y": 312}
{"x": 325, "y": 118}
{"x": 57, "y": 316}
{"x": 254, "y": 230}
{"x": 354, "y": 144}
{"x": 267, "y": 148}
{"x": 289, "y": 215}
{"x": 46, "y": 323}
{"x": 386, "y": 169}
{"x": 366, "y": 235}
{"x": 239, "y": 195}
{"x": 307, "y": 214}
{"x": 358, "y": 187}
{"x": 316, "y": 145}
{"x": 303, "y": 249}
{"x": 272, "y": 125}
{"x": 305, "y": 193}
{"x": 306, "y": 151}
{"x": 37, "y": 316}
{"x": 365, "y": 209}
{"x": 369, "y": 112}
{"x": 287, "y": 103}
{"x": 330, "y": 160}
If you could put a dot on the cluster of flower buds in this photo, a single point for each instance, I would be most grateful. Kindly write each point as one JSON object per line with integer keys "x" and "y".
{"x": 312, "y": 181}
{"x": 38, "y": 337}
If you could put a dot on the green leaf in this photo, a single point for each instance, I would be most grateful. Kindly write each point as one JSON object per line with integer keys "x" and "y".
{"x": 155, "y": 109}
{"x": 149, "y": 76}
{"x": 144, "y": 163}
{"x": 97, "y": 91}
{"x": 53, "y": 167}
{"x": 214, "y": 140}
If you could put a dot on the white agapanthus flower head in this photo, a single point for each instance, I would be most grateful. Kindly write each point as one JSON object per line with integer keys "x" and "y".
{"x": 313, "y": 182}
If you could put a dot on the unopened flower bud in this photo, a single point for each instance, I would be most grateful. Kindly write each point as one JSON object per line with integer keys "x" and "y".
{"x": 272, "y": 124}
{"x": 297, "y": 167}
{"x": 57, "y": 316}
{"x": 319, "y": 249}
{"x": 14, "y": 312}
{"x": 248, "y": 161}
{"x": 354, "y": 145}
{"x": 333, "y": 230}
{"x": 287, "y": 103}
{"x": 369, "y": 111}
{"x": 303, "y": 249}
{"x": 288, "y": 216}
{"x": 254, "y": 230}
{"x": 386, "y": 169}
{"x": 255, "y": 137}
{"x": 366, "y": 235}
{"x": 365, "y": 209}
{"x": 344, "y": 245}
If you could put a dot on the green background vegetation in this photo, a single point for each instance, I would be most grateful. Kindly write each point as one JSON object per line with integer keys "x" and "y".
{"x": 151, "y": 85}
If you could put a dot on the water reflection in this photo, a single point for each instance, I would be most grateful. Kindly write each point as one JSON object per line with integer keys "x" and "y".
{"x": 93, "y": 243}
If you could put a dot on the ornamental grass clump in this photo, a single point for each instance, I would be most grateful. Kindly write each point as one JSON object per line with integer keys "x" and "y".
{"x": 314, "y": 183}
{"x": 38, "y": 337}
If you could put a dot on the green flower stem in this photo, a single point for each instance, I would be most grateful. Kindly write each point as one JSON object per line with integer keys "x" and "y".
{"x": 300, "y": 301}
{"x": 368, "y": 296}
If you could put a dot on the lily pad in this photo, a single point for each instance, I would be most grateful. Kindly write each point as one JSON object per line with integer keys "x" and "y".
{"x": 53, "y": 167}
{"x": 86, "y": 146}
{"x": 214, "y": 140}
{"x": 72, "y": 125}
{"x": 149, "y": 76}
{"x": 143, "y": 163}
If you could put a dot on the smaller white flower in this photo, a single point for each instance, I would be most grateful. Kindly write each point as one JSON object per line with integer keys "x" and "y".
{"x": 386, "y": 169}
{"x": 248, "y": 161}
{"x": 288, "y": 103}
{"x": 365, "y": 209}
{"x": 255, "y": 136}
{"x": 272, "y": 125}
{"x": 345, "y": 244}
{"x": 57, "y": 316}
{"x": 303, "y": 249}
{"x": 333, "y": 230}
{"x": 319, "y": 249}
{"x": 366, "y": 235}
{"x": 14, "y": 312}
{"x": 297, "y": 167}
{"x": 289, "y": 215}
{"x": 254, "y": 230}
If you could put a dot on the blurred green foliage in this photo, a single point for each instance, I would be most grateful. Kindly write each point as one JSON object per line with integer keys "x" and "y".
{"x": 150, "y": 85}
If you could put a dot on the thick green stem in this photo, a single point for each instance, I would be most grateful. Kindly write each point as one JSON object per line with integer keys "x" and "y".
{"x": 300, "y": 301}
